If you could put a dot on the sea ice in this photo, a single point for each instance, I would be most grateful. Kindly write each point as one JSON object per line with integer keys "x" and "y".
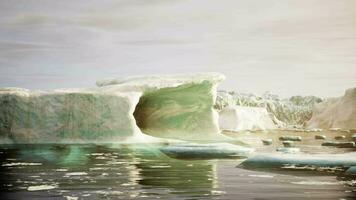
{"x": 300, "y": 161}
{"x": 290, "y": 138}
{"x": 213, "y": 150}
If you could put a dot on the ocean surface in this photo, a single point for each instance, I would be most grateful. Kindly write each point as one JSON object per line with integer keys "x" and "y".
{"x": 117, "y": 171}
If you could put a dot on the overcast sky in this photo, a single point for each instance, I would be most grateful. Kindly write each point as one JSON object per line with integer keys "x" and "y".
{"x": 288, "y": 47}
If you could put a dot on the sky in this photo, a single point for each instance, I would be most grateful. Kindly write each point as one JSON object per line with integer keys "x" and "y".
{"x": 287, "y": 47}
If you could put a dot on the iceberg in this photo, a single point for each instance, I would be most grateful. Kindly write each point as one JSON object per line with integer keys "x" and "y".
{"x": 335, "y": 113}
{"x": 236, "y": 118}
{"x": 141, "y": 107}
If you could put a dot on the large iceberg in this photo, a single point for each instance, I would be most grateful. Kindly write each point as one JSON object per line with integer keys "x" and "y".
{"x": 335, "y": 112}
{"x": 175, "y": 107}
{"x": 236, "y": 118}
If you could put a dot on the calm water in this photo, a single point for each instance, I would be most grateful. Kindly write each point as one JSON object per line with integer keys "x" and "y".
{"x": 143, "y": 172}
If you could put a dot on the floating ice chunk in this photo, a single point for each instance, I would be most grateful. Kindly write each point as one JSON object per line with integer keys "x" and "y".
{"x": 288, "y": 143}
{"x": 288, "y": 149}
{"x": 214, "y": 150}
{"x": 346, "y": 131}
{"x": 351, "y": 171}
{"x": 339, "y": 144}
{"x": 300, "y": 161}
{"x": 320, "y": 137}
{"x": 334, "y": 129}
{"x": 267, "y": 141}
{"x": 354, "y": 137}
{"x": 41, "y": 187}
{"x": 290, "y": 138}
{"x": 315, "y": 130}
{"x": 340, "y": 137}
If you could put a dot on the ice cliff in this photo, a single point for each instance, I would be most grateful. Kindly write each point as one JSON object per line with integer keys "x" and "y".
{"x": 178, "y": 107}
{"x": 335, "y": 112}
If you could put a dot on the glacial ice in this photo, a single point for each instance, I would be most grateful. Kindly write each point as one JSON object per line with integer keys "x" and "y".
{"x": 285, "y": 112}
{"x": 236, "y": 118}
{"x": 178, "y": 107}
{"x": 290, "y": 138}
{"x": 335, "y": 113}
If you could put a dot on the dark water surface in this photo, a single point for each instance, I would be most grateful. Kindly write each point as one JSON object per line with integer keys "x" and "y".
{"x": 92, "y": 171}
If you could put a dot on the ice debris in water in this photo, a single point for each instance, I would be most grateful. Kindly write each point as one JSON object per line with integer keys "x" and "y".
{"x": 339, "y": 144}
{"x": 288, "y": 143}
{"x": 213, "y": 150}
{"x": 351, "y": 171}
{"x": 320, "y": 137}
{"x": 267, "y": 141}
{"x": 290, "y": 138}
{"x": 288, "y": 149}
{"x": 340, "y": 137}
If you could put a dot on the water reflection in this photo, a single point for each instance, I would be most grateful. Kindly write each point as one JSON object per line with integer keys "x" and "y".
{"x": 95, "y": 171}
{"x": 142, "y": 171}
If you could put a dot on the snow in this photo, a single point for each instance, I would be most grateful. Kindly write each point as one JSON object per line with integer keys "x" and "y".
{"x": 335, "y": 113}
{"x": 236, "y": 118}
